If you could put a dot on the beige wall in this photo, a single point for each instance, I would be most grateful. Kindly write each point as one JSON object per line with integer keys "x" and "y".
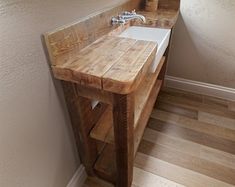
{"x": 36, "y": 144}
{"x": 204, "y": 42}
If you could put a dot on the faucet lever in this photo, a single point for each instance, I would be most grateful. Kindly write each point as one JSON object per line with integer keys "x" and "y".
{"x": 129, "y": 13}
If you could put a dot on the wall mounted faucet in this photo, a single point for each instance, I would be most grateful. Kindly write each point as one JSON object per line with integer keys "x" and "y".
{"x": 127, "y": 16}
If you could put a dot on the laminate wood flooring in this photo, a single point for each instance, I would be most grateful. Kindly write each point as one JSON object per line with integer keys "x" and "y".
{"x": 189, "y": 141}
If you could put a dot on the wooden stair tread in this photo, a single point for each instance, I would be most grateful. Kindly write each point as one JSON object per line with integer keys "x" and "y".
{"x": 103, "y": 130}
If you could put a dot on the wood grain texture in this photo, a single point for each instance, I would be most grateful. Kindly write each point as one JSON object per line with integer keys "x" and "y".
{"x": 147, "y": 179}
{"x": 190, "y": 148}
{"x": 176, "y": 173}
{"x": 161, "y": 18}
{"x": 194, "y": 136}
{"x": 111, "y": 63}
{"x": 217, "y": 120}
{"x": 145, "y": 89}
{"x": 127, "y": 73}
{"x": 123, "y": 122}
{"x": 231, "y": 106}
{"x": 187, "y": 161}
{"x": 83, "y": 119}
{"x": 71, "y": 38}
{"x": 96, "y": 182}
{"x": 187, "y": 154}
{"x": 193, "y": 124}
{"x": 145, "y": 114}
{"x": 89, "y": 54}
{"x": 197, "y": 102}
{"x": 145, "y": 97}
{"x": 105, "y": 167}
{"x": 177, "y": 110}
{"x": 103, "y": 127}
{"x": 169, "y": 4}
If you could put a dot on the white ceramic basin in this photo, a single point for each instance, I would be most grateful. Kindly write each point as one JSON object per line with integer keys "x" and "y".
{"x": 161, "y": 36}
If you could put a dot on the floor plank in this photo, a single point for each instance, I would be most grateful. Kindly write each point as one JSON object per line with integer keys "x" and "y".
{"x": 177, "y": 110}
{"x": 176, "y": 173}
{"x": 217, "y": 120}
{"x": 196, "y": 105}
{"x": 211, "y": 129}
{"x": 194, "y": 136}
{"x": 231, "y": 106}
{"x": 96, "y": 182}
{"x": 146, "y": 179}
{"x": 190, "y": 148}
{"x": 187, "y": 161}
{"x": 189, "y": 141}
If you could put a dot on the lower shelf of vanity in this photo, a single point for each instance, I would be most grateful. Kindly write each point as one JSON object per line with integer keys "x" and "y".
{"x": 145, "y": 97}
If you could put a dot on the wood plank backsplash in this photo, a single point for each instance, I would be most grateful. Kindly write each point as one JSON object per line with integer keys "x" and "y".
{"x": 78, "y": 35}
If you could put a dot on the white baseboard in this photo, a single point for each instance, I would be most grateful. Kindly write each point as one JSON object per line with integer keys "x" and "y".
{"x": 78, "y": 178}
{"x": 200, "y": 88}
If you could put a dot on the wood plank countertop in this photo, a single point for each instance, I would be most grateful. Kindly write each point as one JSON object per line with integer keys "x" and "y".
{"x": 110, "y": 63}
{"x": 162, "y": 18}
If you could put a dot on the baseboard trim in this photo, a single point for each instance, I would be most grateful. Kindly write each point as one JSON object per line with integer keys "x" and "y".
{"x": 78, "y": 178}
{"x": 200, "y": 87}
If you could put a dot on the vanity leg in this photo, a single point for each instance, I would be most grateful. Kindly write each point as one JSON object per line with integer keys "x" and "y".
{"x": 82, "y": 121}
{"x": 123, "y": 120}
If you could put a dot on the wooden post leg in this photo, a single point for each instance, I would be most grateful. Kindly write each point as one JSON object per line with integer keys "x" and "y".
{"x": 82, "y": 119}
{"x": 123, "y": 120}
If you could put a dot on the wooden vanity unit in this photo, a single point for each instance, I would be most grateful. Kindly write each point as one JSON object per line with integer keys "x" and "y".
{"x": 109, "y": 88}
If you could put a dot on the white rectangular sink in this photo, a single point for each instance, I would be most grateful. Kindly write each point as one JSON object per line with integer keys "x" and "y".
{"x": 160, "y": 36}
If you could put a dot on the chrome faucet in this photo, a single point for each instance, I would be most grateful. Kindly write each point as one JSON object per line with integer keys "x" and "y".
{"x": 127, "y": 16}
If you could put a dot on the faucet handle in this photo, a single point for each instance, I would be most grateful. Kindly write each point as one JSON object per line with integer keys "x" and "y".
{"x": 133, "y": 12}
{"x": 119, "y": 20}
{"x": 126, "y": 13}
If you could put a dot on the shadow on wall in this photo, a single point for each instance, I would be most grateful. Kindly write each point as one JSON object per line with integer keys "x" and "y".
{"x": 184, "y": 49}
{"x": 60, "y": 94}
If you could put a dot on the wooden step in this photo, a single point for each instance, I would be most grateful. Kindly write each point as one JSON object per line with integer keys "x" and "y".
{"x": 144, "y": 97}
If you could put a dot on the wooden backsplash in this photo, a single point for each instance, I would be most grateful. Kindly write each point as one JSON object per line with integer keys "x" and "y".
{"x": 64, "y": 41}
{"x": 169, "y": 4}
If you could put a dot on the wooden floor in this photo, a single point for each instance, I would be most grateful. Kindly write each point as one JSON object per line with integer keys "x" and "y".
{"x": 190, "y": 141}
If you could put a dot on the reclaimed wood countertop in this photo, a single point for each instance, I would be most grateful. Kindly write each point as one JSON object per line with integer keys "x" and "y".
{"x": 162, "y": 18}
{"x": 111, "y": 63}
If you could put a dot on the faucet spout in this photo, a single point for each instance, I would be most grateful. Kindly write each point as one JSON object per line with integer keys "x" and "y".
{"x": 127, "y": 16}
{"x": 135, "y": 16}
